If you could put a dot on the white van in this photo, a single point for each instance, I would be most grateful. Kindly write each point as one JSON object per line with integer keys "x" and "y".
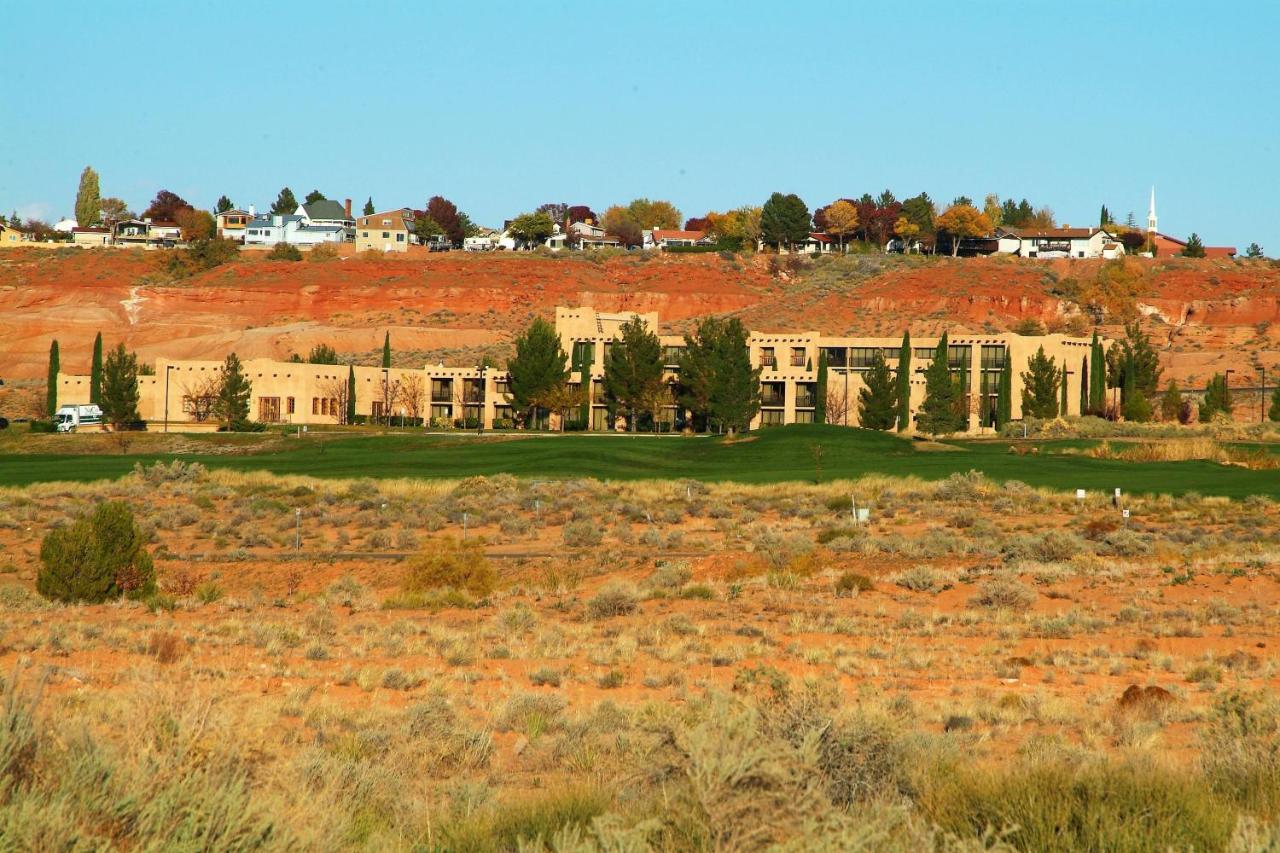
{"x": 68, "y": 418}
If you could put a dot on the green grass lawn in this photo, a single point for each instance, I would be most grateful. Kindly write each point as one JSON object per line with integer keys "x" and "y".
{"x": 774, "y": 455}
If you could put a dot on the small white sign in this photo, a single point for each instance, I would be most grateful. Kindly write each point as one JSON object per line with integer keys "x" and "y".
{"x": 864, "y": 515}
{"x": 1079, "y": 494}
{"x": 1117, "y": 493}
{"x": 1125, "y": 513}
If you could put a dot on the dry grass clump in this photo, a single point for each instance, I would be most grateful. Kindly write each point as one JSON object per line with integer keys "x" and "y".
{"x": 1184, "y": 450}
{"x": 450, "y": 564}
{"x": 1003, "y": 593}
{"x": 615, "y": 598}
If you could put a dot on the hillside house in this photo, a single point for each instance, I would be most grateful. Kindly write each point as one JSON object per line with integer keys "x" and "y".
{"x": 327, "y": 212}
{"x": 389, "y": 231}
{"x": 1166, "y": 246}
{"x": 666, "y": 238}
{"x": 1064, "y": 242}
{"x": 231, "y": 224}
{"x": 10, "y": 236}
{"x": 268, "y": 230}
{"x": 90, "y": 237}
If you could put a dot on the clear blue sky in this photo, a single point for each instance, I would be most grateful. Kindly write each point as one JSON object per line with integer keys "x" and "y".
{"x": 503, "y": 106}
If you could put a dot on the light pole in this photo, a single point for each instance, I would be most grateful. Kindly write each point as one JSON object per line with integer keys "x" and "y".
{"x": 1262, "y": 397}
{"x": 1226, "y": 387}
{"x": 167, "y": 368}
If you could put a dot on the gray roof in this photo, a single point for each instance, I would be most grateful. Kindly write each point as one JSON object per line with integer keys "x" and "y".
{"x": 326, "y": 208}
{"x": 267, "y": 220}
{"x": 327, "y": 228}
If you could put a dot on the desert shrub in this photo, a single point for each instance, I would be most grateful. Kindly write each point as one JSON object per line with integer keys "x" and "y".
{"x": 1122, "y": 543}
{"x": 850, "y": 583}
{"x": 582, "y": 534}
{"x": 284, "y": 252}
{"x": 96, "y": 558}
{"x": 450, "y": 564}
{"x": 919, "y": 579}
{"x": 1055, "y": 546}
{"x": 545, "y": 677}
{"x": 166, "y": 647}
{"x": 1054, "y": 805}
{"x": 670, "y": 575}
{"x": 614, "y": 599}
{"x": 698, "y": 591}
{"x": 529, "y": 824}
{"x": 1241, "y": 752}
{"x": 1003, "y": 593}
{"x": 323, "y": 252}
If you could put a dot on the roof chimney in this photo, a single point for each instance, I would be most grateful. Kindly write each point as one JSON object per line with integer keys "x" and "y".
{"x": 252, "y": 212}
{"x": 347, "y": 208}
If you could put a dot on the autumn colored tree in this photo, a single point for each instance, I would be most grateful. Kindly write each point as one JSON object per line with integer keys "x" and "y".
{"x": 907, "y": 231}
{"x": 698, "y": 223}
{"x": 655, "y": 213}
{"x": 887, "y": 211}
{"x": 195, "y": 224}
{"x": 445, "y": 214}
{"x": 618, "y": 221}
{"x": 991, "y": 207}
{"x": 960, "y": 221}
{"x": 581, "y": 213}
{"x": 784, "y": 220}
{"x": 88, "y": 199}
{"x": 841, "y": 220}
{"x": 165, "y": 207}
{"x": 557, "y": 210}
{"x": 114, "y": 210}
{"x": 736, "y": 228}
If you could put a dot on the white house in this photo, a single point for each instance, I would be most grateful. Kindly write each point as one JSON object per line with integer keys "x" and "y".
{"x": 1064, "y": 242}
{"x": 326, "y": 211}
{"x": 665, "y": 238}
{"x": 267, "y": 230}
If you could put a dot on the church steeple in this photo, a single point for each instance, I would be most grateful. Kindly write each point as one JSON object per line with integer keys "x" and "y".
{"x": 1151, "y": 213}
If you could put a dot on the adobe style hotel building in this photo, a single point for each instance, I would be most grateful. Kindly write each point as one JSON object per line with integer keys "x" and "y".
{"x": 294, "y": 393}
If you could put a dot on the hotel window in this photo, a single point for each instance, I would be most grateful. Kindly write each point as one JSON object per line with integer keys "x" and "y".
{"x": 315, "y": 405}
{"x": 502, "y": 386}
{"x": 399, "y": 238}
{"x": 804, "y": 416}
{"x": 836, "y": 356}
{"x": 993, "y": 357}
{"x": 798, "y": 357}
{"x": 269, "y": 410}
{"x": 584, "y": 352}
{"x": 364, "y": 233}
{"x": 958, "y": 354}
{"x": 925, "y": 353}
{"x": 806, "y": 394}
{"x": 441, "y": 411}
{"x": 441, "y": 390}
{"x": 862, "y": 357}
{"x": 766, "y": 357}
{"x": 386, "y": 234}
{"x": 772, "y": 394}
{"x": 289, "y": 409}
{"x": 771, "y": 417}
{"x": 671, "y": 355}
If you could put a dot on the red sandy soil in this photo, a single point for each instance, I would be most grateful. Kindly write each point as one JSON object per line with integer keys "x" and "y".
{"x": 1207, "y": 315}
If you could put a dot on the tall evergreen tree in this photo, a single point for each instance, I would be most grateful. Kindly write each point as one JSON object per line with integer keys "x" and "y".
{"x": 1004, "y": 393}
{"x": 224, "y": 204}
{"x": 232, "y": 404}
{"x": 784, "y": 220}
{"x": 537, "y": 370}
{"x": 1062, "y": 408}
{"x": 369, "y": 209}
{"x": 285, "y": 203}
{"x": 1273, "y": 413}
{"x": 1040, "y": 387}
{"x": 1134, "y": 403}
{"x": 51, "y": 389}
{"x": 351, "y": 395}
{"x": 88, "y": 199}
{"x": 582, "y": 358}
{"x": 633, "y": 372}
{"x": 820, "y": 404}
{"x": 120, "y": 388}
{"x": 1097, "y": 377}
{"x": 718, "y": 383}
{"x": 938, "y": 411}
{"x": 1194, "y": 247}
{"x": 95, "y": 372}
{"x": 386, "y": 350}
{"x": 1170, "y": 402}
{"x": 1217, "y": 398}
{"x": 1085, "y": 379}
{"x": 877, "y": 402}
{"x": 902, "y": 396}
{"x": 962, "y": 397}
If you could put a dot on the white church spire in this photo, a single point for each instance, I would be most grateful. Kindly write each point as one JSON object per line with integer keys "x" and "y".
{"x": 1151, "y": 212}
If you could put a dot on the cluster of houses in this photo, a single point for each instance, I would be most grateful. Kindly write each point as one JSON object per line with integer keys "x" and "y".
{"x": 328, "y": 221}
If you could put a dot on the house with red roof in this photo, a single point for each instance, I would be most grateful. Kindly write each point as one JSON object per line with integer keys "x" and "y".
{"x": 666, "y": 238}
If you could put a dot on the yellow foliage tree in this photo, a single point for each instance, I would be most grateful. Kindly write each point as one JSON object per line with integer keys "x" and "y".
{"x": 842, "y": 220}
{"x": 907, "y": 231}
{"x": 962, "y": 220}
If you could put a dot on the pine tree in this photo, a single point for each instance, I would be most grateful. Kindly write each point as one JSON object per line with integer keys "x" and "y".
{"x": 51, "y": 390}
{"x": 351, "y": 395}
{"x": 938, "y": 411}
{"x": 633, "y": 372}
{"x": 1274, "y": 412}
{"x": 1004, "y": 395}
{"x": 285, "y": 203}
{"x": 368, "y": 207}
{"x": 903, "y": 394}
{"x": 88, "y": 199}
{"x": 717, "y": 382}
{"x": 1217, "y": 398}
{"x": 386, "y": 350}
{"x": 232, "y": 405}
{"x": 1040, "y": 387}
{"x": 224, "y": 204}
{"x": 1170, "y": 402}
{"x": 820, "y": 404}
{"x": 877, "y": 407}
{"x": 582, "y": 357}
{"x": 537, "y": 370}
{"x": 95, "y": 372}
{"x": 1134, "y": 403}
{"x": 962, "y": 397}
{"x": 120, "y": 388}
{"x": 1254, "y": 251}
{"x": 1062, "y": 407}
{"x": 1194, "y": 247}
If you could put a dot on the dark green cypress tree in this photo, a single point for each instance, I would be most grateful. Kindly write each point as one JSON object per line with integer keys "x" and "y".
{"x": 1097, "y": 377}
{"x": 386, "y": 350}
{"x": 904, "y": 382}
{"x": 51, "y": 391}
{"x": 962, "y": 398}
{"x": 1085, "y": 378}
{"x": 938, "y": 411}
{"x": 1062, "y": 410}
{"x": 820, "y": 404}
{"x": 351, "y": 395}
{"x": 95, "y": 372}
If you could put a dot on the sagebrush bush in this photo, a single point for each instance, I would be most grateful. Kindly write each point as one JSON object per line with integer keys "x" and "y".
{"x": 284, "y": 252}
{"x": 582, "y": 534}
{"x": 614, "y": 599}
{"x": 1003, "y": 593}
{"x": 97, "y": 558}
{"x": 450, "y": 564}
{"x": 850, "y": 583}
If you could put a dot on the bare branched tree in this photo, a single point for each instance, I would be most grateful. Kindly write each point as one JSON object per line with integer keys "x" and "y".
{"x": 336, "y": 391}
{"x": 199, "y": 395}
{"x": 413, "y": 395}
{"x": 837, "y": 401}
